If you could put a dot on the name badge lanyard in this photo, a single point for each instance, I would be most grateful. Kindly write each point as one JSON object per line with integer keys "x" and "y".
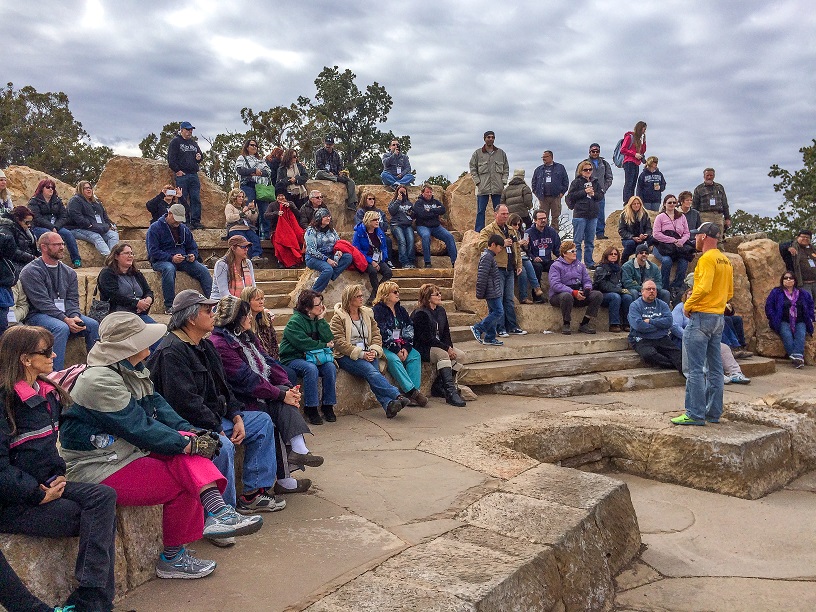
{"x": 361, "y": 331}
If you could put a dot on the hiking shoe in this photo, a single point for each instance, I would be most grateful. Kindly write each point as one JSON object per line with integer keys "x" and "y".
{"x": 586, "y": 328}
{"x": 168, "y": 310}
{"x": 740, "y": 354}
{"x": 77, "y": 264}
{"x": 476, "y": 334}
{"x": 302, "y": 486}
{"x": 493, "y": 342}
{"x": 739, "y": 379}
{"x": 184, "y": 566}
{"x": 565, "y": 329}
{"x": 684, "y": 419}
{"x": 307, "y": 459}
{"x": 221, "y": 542}
{"x": 712, "y": 420}
{"x": 228, "y": 523}
{"x": 518, "y": 332}
{"x": 394, "y": 406}
{"x": 615, "y": 329}
{"x": 262, "y": 502}
{"x": 503, "y": 334}
{"x": 726, "y": 379}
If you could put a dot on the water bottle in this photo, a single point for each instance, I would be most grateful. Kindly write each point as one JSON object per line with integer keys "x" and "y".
{"x": 102, "y": 440}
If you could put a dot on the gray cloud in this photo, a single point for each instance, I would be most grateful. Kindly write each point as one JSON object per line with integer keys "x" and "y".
{"x": 724, "y": 84}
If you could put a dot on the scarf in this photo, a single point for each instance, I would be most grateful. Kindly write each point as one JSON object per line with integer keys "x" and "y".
{"x": 255, "y": 360}
{"x": 241, "y": 278}
{"x": 793, "y": 296}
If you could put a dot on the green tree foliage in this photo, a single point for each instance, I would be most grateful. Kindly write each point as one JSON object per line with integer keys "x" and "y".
{"x": 219, "y": 161}
{"x": 440, "y": 179}
{"x": 155, "y": 147}
{"x": 747, "y": 223}
{"x": 38, "y": 130}
{"x": 799, "y": 188}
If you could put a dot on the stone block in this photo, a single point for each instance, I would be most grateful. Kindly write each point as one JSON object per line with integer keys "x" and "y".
{"x": 22, "y": 182}
{"x": 643, "y": 378}
{"x": 139, "y": 528}
{"x": 558, "y": 386}
{"x": 552, "y": 442}
{"x": 464, "y": 274}
{"x": 764, "y": 267}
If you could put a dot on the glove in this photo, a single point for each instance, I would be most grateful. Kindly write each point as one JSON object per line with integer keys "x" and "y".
{"x": 207, "y": 444}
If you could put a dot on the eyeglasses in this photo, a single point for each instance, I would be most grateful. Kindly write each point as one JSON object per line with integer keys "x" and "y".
{"x": 27, "y": 223}
{"x": 252, "y": 144}
{"x": 358, "y": 296}
{"x": 242, "y": 246}
{"x": 54, "y": 244}
{"x": 572, "y": 251}
{"x": 671, "y": 202}
{"x": 127, "y": 253}
{"x": 46, "y": 352}
{"x": 320, "y": 197}
{"x": 318, "y": 305}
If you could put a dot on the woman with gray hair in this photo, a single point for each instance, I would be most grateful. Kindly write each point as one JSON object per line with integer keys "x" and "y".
{"x": 370, "y": 240}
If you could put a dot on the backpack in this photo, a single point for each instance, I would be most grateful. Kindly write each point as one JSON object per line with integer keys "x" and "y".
{"x": 67, "y": 377}
{"x": 617, "y": 156}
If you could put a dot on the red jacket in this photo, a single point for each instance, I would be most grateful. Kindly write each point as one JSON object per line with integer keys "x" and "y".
{"x": 288, "y": 239}
{"x": 628, "y": 149}
{"x": 359, "y": 260}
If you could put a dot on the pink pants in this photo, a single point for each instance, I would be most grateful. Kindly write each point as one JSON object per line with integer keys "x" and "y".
{"x": 175, "y": 483}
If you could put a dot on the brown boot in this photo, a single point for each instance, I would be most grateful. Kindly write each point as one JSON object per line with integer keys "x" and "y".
{"x": 417, "y": 398}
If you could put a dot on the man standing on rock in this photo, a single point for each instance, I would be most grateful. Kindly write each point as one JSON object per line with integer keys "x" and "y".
{"x": 602, "y": 172}
{"x": 490, "y": 171}
{"x": 713, "y": 287}
{"x": 330, "y": 168}
{"x": 710, "y": 201}
{"x": 650, "y": 321}
{"x": 550, "y": 183}
{"x": 184, "y": 158}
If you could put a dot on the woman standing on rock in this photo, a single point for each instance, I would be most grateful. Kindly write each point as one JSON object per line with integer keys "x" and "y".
{"x": 292, "y": 178}
{"x": 88, "y": 220}
{"x": 633, "y": 149}
{"x": 790, "y": 314}
{"x": 50, "y": 215}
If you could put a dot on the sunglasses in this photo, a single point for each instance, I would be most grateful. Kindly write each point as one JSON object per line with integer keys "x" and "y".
{"x": 395, "y": 292}
{"x": 788, "y": 278}
{"x": 46, "y": 352}
{"x": 587, "y": 170}
{"x": 242, "y": 246}
{"x": 371, "y": 199}
{"x": 572, "y": 251}
{"x": 671, "y": 201}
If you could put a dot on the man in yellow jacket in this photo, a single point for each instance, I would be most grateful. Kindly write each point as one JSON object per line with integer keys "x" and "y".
{"x": 713, "y": 287}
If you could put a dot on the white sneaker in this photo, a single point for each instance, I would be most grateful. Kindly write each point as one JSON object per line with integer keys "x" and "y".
{"x": 227, "y": 523}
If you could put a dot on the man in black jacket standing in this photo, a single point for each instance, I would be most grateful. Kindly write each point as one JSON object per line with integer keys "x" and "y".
{"x": 184, "y": 158}
{"x": 330, "y": 168}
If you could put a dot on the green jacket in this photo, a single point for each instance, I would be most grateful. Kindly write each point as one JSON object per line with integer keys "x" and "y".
{"x": 632, "y": 275}
{"x": 303, "y": 334}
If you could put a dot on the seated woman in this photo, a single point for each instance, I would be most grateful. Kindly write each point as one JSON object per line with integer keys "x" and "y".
{"x": 291, "y": 179}
{"x": 286, "y": 225}
{"x": 263, "y": 321}
{"x": 402, "y": 221}
{"x": 528, "y": 277}
{"x": 358, "y": 347}
{"x": 790, "y": 314}
{"x": 570, "y": 286}
{"x": 308, "y": 332}
{"x": 432, "y": 339}
{"x": 123, "y": 285}
{"x": 634, "y": 227}
{"x": 88, "y": 220}
{"x": 50, "y": 215}
{"x": 121, "y": 433}
{"x": 369, "y": 203}
{"x": 671, "y": 235}
{"x": 320, "y": 251}
{"x": 370, "y": 240}
{"x": 17, "y": 224}
{"x": 233, "y": 272}
{"x": 397, "y": 331}
{"x": 242, "y": 220}
{"x": 609, "y": 281}
{"x": 261, "y": 385}
{"x": 35, "y": 498}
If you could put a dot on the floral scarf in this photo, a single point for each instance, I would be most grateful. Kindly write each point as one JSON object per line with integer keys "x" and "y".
{"x": 793, "y": 296}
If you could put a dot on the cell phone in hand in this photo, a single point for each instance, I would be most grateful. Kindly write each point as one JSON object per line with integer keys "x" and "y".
{"x": 50, "y": 481}
{"x": 80, "y": 323}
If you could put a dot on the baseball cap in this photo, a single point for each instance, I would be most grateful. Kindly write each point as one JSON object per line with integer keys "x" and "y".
{"x": 191, "y": 297}
{"x": 187, "y": 125}
{"x": 329, "y": 140}
{"x": 641, "y": 248}
{"x": 178, "y": 212}
{"x": 712, "y": 230}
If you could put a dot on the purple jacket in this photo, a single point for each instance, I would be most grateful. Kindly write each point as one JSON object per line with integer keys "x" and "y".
{"x": 775, "y": 304}
{"x": 565, "y": 277}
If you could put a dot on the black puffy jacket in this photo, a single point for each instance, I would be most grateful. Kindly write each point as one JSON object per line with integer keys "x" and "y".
{"x": 25, "y": 245}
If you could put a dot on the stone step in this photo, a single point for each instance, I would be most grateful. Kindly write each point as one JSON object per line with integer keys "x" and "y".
{"x": 632, "y": 378}
{"x": 276, "y": 287}
{"x": 406, "y": 282}
{"x": 458, "y": 320}
{"x": 538, "y": 346}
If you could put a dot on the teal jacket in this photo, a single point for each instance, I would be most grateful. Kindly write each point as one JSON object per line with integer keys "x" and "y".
{"x": 303, "y": 334}
{"x": 632, "y": 275}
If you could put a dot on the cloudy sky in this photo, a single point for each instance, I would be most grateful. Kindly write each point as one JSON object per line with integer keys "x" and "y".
{"x": 726, "y": 84}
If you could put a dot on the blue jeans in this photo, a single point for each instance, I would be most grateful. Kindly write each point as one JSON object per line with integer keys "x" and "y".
{"x": 255, "y": 249}
{"x": 407, "y": 373}
{"x": 481, "y": 207}
{"x": 629, "y": 247}
{"x": 167, "y": 269}
{"x": 665, "y": 271}
{"x": 630, "y": 174}
{"x": 495, "y": 316}
{"x": 260, "y": 462}
{"x": 704, "y": 386}
{"x": 653, "y": 206}
{"x": 794, "y": 341}
{"x": 600, "y": 227}
{"x": 527, "y": 277}
{"x": 191, "y": 188}
{"x": 61, "y": 333}
{"x": 618, "y": 304}
{"x": 327, "y": 273}
{"x": 67, "y": 238}
{"x": 583, "y": 230}
{"x": 405, "y": 244}
{"x": 440, "y": 233}
{"x": 390, "y": 179}
{"x": 310, "y": 372}
{"x": 102, "y": 242}
{"x": 383, "y": 390}
{"x": 508, "y": 300}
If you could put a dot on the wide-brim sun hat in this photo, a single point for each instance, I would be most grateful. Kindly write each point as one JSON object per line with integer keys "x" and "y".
{"x": 121, "y": 336}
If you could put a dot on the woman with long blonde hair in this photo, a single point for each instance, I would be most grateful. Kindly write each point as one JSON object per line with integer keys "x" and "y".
{"x": 634, "y": 227}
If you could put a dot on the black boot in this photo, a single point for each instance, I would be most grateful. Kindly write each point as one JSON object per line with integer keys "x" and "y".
{"x": 438, "y": 386}
{"x": 328, "y": 413}
{"x": 452, "y": 396}
{"x": 312, "y": 415}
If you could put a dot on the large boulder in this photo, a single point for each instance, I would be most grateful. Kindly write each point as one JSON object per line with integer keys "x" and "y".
{"x": 764, "y": 267}
{"x": 464, "y": 276}
{"x": 460, "y": 199}
{"x": 23, "y": 181}
{"x": 127, "y": 183}
{"x": 742, "y": 302}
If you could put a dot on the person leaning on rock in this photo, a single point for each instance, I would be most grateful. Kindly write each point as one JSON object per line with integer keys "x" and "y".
{"x": 184, "y": 158}
{"x": 330, "y": 168}
{"x": 490, "y": 171}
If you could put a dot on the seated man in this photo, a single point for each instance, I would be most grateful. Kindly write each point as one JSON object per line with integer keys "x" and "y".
{"x": 52, "y": 290}
{"x": 187, "y": 371}
{"x": 639, "y": 269}
{"x": 651, "y": 323}
{"x": 171, "y": 247}
{"x": 544, "y": 243}
{"x": 158, "y": 206}
{"x": 396, "y": 168}
{"x": 316, "y": 200}
{"x": 330, "y": 168}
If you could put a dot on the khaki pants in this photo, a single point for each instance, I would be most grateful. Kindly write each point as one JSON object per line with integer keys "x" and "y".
{"x": 713, "y": 217}
{"x": 440, "y": 359}
{"x": 552, "y": 206}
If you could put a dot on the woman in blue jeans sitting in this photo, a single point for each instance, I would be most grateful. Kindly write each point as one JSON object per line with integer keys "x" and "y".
{"x": 402, "y": 221}
{"x": 790, "y": 314}
{"x": 50, "y": 215}
{"x": 321, "y": 255}
{"x": 88, "y": 220}
{"x": 358, "y": 348}
{"x": 427, "y": 211}
{"x": 608, "y": 280}
{"x": 308, "y": 332}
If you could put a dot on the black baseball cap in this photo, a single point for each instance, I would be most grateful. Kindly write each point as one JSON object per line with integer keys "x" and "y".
{"x": 708, "y": 229}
